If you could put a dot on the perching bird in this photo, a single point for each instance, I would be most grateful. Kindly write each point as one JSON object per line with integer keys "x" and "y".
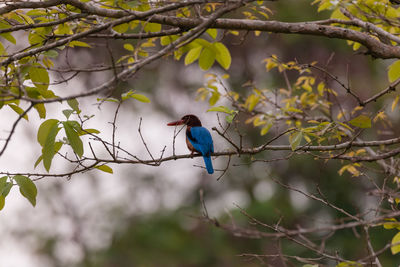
{"x": 198, "y": 138}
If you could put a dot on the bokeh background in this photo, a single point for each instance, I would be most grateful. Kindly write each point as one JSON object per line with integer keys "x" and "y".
{"x": 152, "y": 216}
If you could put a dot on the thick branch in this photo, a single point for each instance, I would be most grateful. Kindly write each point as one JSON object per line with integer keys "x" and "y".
{"x": 375, "y": 47}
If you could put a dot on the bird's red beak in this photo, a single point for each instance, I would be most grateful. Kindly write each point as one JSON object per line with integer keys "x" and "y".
{"x": 174, "y": 123}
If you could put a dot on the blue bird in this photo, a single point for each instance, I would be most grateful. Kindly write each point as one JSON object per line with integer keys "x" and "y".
{"x": 198, "y": 138}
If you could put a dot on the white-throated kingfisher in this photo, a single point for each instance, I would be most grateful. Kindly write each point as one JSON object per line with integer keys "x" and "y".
{"x": 198, "y": 138}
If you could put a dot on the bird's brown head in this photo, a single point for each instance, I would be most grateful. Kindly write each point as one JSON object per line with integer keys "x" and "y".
{"x": 189, "y": 120}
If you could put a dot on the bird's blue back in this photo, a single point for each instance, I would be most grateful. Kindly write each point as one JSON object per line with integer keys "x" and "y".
{"x": 201, "y": 140}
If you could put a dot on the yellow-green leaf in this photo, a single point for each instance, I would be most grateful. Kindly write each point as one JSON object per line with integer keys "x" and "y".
{"x": 27, "y": 188}
{"x": 152, "y": 27}
{"x": 3, "y": 185}
{"x": 349, "y": 264}
{"x": 78, "y": 43}
{"x": 3, "y": 181}
{"x": 266, "y": 128}
{"x": 2, "y": 50}
{"x": 213, "y": 33}
{"x": 129, "y": 47}
{"x": 395, "y": 244}
{"x": 104, "y": 168}
{"x": 2, "y": 202}
{"x": 88, "y": 131}
{"x": 394, "y": 71}
{"x": 121, "y": 28}
{"x": 41, "y": 110}
{"x": 252, "y": 101}
{"x": 361, "y": 121}
{"x": 221, "y": 109}
{"x": 193, "y": 55}
{"x": 295, "y": 139}
{"x": 223, "y": 56}
{"x": 207, "y": 58}
{"x": 391, "y": 223}
{"x": 8, "y": 36}
{"x": 214, "y": 98}
{"x": 139, "y": 97}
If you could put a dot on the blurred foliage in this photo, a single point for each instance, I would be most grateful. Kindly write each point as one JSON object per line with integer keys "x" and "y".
{"x": 178, "y": 238}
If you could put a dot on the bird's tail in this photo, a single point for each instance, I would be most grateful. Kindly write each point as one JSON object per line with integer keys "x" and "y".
{"x": 207, "y": 161}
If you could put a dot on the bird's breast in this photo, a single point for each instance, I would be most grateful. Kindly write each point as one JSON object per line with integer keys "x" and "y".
{"x": 188, "y": 143}
{"x": 190, "y": 146}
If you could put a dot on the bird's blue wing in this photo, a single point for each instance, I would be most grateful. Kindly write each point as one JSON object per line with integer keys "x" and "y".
{"x": 201, "y": 140}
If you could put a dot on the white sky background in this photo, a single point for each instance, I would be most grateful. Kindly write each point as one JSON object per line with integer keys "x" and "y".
{"x": 90, "y": 196}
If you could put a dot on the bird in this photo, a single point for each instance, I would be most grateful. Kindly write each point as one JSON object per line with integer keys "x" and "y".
{"x": 198, "y": 138}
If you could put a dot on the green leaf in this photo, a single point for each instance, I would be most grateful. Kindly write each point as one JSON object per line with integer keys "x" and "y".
{"x": 74, "y": 104}
{"x": 6, "y": 189}
{"x": 41, "y": 110}
{"x": 40, "y": 158}
{"x": 207, "y": 58}
{"x": 138, "y": 97}
{"x": 394, "y": 71}
{"x": 295, "y": 139}
{"x": 27, "y": 188}
{"x": 74, "y": 124}
{"x": 2, "y": 202}
{"x": 2, "y": 50}
{"x": 221, "y": 109}
{"x": 88, "y": 131}
{"x": 18, "y": 110}
{"x": 193, "y": 55}
{"x": 361, "y": 121}
{"x": 3, "y": 182}
{"x": 67, "y": 113}
{"x": 51, "y": 53}
{"x": 35, "y": 39}
{"x": 48, "y": 150}
{"x": 110, "y": 99}
{"x": 74, "y": 141}
{"x": 8, "y": 36}
{"x": 44, "y": 130}
{"x": 396, "y": 240}
{"x": 104, "y": 168}
{"x": 57, "y": 147}
{"x": 229, "y": 118}
{"x": 36, "y": 13}
{"x": 39, "y": 76}
{"x": 223, "y": 56}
